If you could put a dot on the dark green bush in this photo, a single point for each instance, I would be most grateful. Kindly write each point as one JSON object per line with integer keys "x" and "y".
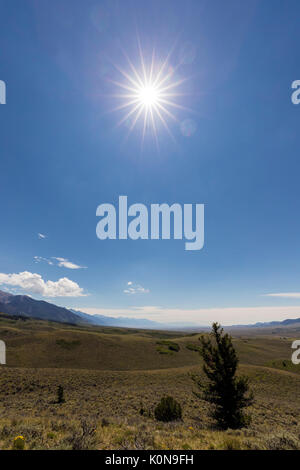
{"x": 170, "y": 345}
{"x": 60, "y": 394}
{"x": 168, "y": 409}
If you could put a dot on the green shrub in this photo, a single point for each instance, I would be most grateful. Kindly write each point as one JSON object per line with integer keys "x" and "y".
{"x": 170, "y": 345}
{"x": 162, "y": 350}
{"x": 168, "y": 409}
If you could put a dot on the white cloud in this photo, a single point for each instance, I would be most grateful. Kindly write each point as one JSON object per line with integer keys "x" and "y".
{"x": 287, "y": 295}
{"x": 135, "y": 289}
{"x": 41, "y": 236}
{"x": 65, "y": 263}
{"x": 38, "y": 259}
{"x": 202, "y": 316}
{"x": 34, "y": 283}
{"x": 61, "y": 262}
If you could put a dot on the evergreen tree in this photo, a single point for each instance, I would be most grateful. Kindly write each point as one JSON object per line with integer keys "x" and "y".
{"x": 60, "y": 394}
{"x": 224, "y": 390}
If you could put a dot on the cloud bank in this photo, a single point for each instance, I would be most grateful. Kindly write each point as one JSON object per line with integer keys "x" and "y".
{"x": 202, "y": 316}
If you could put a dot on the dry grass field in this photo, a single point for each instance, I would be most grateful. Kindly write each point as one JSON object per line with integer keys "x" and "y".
{"x": 110, "y": 374}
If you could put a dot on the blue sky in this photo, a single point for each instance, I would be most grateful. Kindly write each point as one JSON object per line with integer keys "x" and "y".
{"x": 63, "y": 153}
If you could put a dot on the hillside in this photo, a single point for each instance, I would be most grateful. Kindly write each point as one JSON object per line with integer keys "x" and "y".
{"x": 34, "y": 343}
{"x": 109, "y": 375}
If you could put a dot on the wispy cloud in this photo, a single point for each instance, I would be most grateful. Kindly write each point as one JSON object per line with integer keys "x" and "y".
{"x": 65, "y": 263}
{"x": 61, "y": 262}
{"x": 41, "y": 236}
{"x": 38, "y": 259}
{"x": 135, "y": 289}
{"x": 34, "y": 283}
{"x": 286, "y": 295}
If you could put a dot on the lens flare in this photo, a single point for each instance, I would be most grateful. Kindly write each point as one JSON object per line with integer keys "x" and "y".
{"x": 148, "y": 94}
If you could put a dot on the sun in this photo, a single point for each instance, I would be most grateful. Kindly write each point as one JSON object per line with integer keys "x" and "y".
{"x": 148, "y": 94}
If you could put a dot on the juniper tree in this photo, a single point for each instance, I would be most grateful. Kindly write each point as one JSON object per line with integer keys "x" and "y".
{"x": 60, "y": 394}
{"x": 227, "y": 393}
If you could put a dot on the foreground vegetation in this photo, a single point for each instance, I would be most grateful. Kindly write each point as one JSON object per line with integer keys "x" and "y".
{"x": 103, "y": 396}
{"x": 227, "y": 392}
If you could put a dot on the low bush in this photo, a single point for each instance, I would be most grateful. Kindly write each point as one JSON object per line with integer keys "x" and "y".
{"x": 168, "y": 409}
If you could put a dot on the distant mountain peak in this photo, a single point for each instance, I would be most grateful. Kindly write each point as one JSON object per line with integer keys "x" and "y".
{"x": 29, "y": 307}
{"x": 5, "y": 296}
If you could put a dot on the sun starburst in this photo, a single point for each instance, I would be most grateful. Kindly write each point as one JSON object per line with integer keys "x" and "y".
{"x": 148, "y": 95}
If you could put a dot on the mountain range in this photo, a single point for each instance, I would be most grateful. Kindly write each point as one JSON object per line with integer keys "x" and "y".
{"x": 124, "y": 322}
{"x": 29, "y": 307}
{"x": 26, "y": 306}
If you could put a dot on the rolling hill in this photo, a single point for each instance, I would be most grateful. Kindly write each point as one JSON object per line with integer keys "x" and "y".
{"x": 113, "y": 379}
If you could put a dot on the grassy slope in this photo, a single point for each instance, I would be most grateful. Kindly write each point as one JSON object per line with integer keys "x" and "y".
{"x": 42, "y": 344}
{"x": 109, "y": 374}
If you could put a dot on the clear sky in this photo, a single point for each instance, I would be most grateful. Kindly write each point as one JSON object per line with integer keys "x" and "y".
{"x": 235, "y": 148}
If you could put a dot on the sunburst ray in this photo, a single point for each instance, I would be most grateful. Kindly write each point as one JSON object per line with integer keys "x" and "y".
{"x": 148, "y": 93}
